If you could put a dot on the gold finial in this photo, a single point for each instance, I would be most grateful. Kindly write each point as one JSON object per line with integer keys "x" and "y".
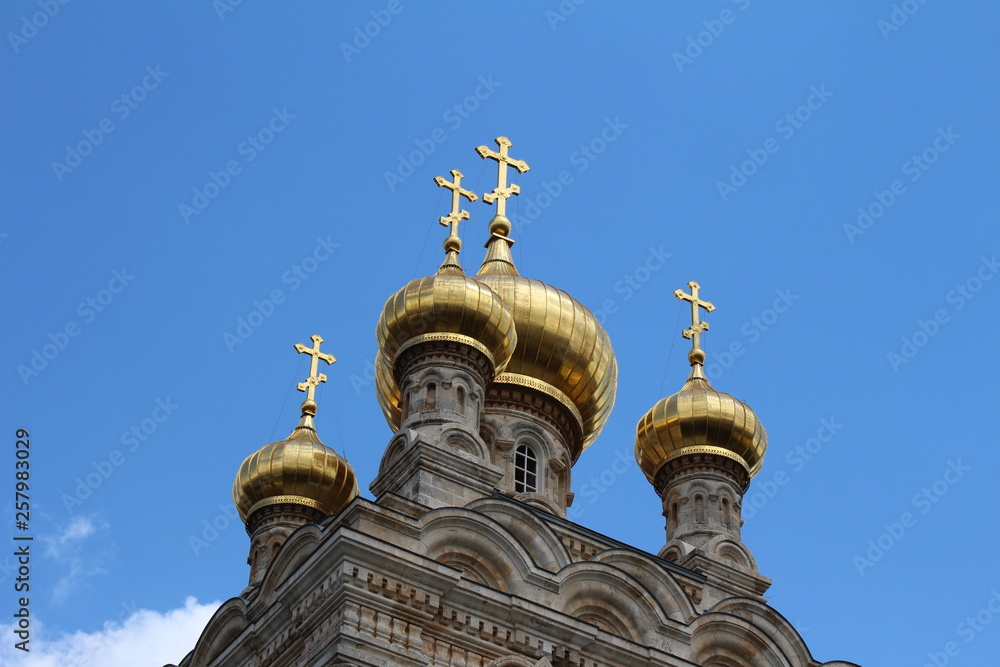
{"x": 502, "y": 191}
{"x": 311, "y": 382}
{"x": 697, "y": 355}
{"x": 457, "y": 215}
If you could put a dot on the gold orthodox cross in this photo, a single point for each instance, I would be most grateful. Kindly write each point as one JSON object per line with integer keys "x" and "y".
{"x": 314, "y": 377}
{"x": 697, "y": 326}
{"x": 457, "y": 215}
{"x": 502, "y": 192}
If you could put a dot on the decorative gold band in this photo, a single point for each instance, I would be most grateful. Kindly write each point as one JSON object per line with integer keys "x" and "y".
{"x": 707, "y": 449}
{"x": 293, "y": 500}
{"x": 446, "y": 336}
{"x": 543, "y": 387}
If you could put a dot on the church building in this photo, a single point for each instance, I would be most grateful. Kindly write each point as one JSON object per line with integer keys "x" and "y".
{"x": 494, "y": 384}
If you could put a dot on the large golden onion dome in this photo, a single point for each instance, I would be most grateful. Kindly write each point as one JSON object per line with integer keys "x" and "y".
{"x": 545, "y": 340}
{"x": 445, "y": 306}
{"x": 300, "y": 470}
{"x": 698, "y": 419}
{"x": 560, "y": 343}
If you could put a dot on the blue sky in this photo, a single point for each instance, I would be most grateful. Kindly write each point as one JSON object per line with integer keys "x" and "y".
{"x": 826, "y": 171}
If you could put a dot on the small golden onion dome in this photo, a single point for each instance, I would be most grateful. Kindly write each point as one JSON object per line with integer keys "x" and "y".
{"x": 445, "y": 306}
{"x": 300, "y": 470}
{"x": 559, "y": 341}
{"x": 699, "y": 420}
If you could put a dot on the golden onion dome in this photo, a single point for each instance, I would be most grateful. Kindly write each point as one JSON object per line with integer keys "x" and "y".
{"x": 299, "y": 469}
{"x": 445, "y": 306}
{"x": 560, "y": 343}
{"x": 698, "y": 419}
{"x": 448, "y": 305}
{"x": 387, "y": 391}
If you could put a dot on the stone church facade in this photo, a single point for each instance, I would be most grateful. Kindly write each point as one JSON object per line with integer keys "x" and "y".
{"x": 494, "y": 384}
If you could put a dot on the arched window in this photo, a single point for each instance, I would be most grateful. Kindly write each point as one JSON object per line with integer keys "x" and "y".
{"x": 431, "y": 396}
{"x": 461, "y": 400}
{"x": 525, "y": 470}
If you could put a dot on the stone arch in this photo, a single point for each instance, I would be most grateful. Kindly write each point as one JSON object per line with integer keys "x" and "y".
{"x": 545, "y": 548}
{"x": 612, "y": 600}
{"x": 693, "y": 502}
{"x": 478, "y": 546}
{"x": 427, "y": 382}
{"x": 747, "y": 632}
{"x": 518, "y": 661}
{"x": 395, "y": 448}
{"x": 460, "y": 441}
{"x": 489, "y": 431}
{"x": 297, "y": 549}
{"x": 732, "y": 552}
{"x": 227, "y": 623}
{"x": 536, "y": 437}
{"x": 722, "y": 640}
{"x": 659, "y": 583}
{"x": 494, "y": 427}
{"x": 671, "y": 553}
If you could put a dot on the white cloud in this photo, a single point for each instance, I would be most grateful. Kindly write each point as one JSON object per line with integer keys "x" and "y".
{"x": 144, "y": 639}
{"x": 79, "y": 529}
{"x": 66, "y": 547}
